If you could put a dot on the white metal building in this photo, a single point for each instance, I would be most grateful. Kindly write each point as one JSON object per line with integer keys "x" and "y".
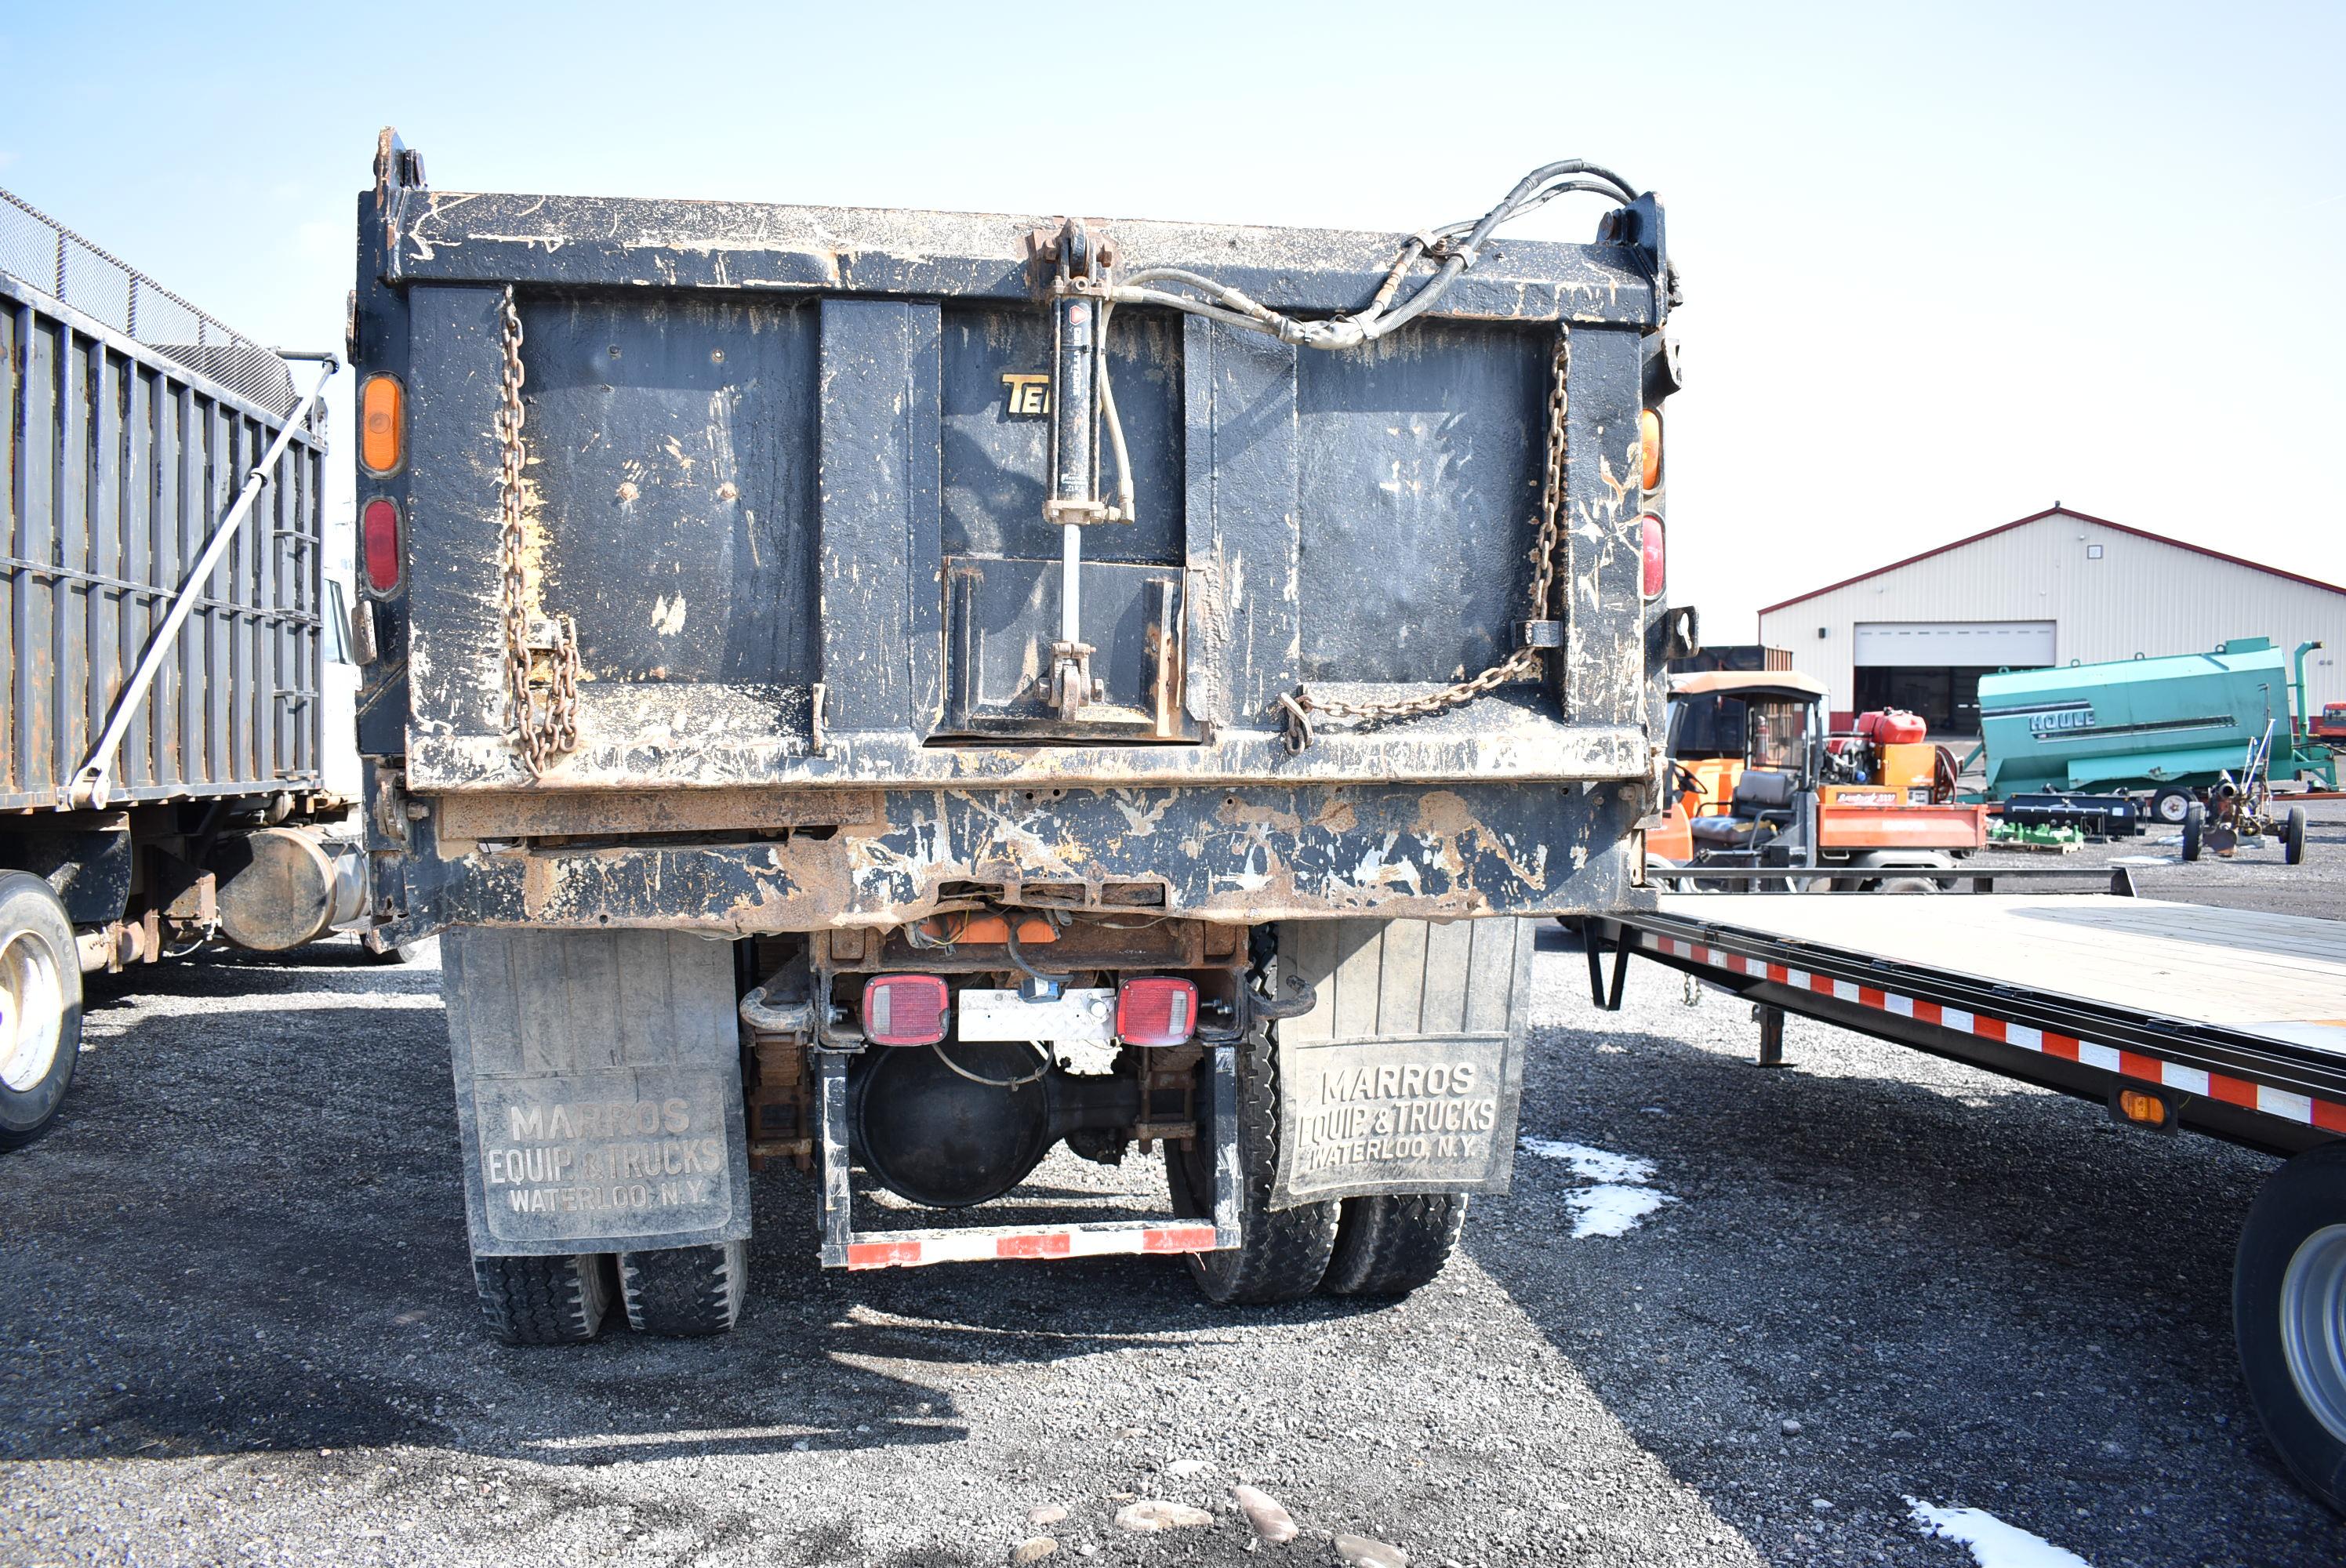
{"x": 2057, "y": 587}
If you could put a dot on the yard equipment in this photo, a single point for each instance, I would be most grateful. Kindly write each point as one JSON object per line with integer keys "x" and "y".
{"x": 1878, "y": 801}
{"x": 893, "y": 693}
{"x": 2241, "y": 807}
{"x": 2168, "y": 729}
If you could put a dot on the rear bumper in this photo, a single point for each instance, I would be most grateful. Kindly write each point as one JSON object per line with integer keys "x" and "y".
{"x": 1237, "y": 854}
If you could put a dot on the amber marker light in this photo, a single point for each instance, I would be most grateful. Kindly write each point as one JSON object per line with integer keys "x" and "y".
{"x": 1650, "y": 448}
{"x": 382, "y": 423}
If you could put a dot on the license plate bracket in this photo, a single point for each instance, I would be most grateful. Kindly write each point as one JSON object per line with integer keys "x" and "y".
{"x": 1080, "y": 1013}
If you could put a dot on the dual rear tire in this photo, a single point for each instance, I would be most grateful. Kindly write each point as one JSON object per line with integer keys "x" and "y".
{"x": 1386, "y": 1245}
{"x": 676, "y": 1293}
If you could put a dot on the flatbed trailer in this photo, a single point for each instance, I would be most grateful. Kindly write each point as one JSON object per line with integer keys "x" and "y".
{"x": 2175, "y": 1015}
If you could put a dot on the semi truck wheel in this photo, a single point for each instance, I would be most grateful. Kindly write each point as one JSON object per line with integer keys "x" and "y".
{"x": 2194, "y": 825}
{"x": 1283, "y": 1253}
{"x": 685, "y": 1292}
{"x": 543, "y": 1300}
{"x": 1391, "y": 1245}
{"x": 2170, "y": 805}
{"x": 2292, "y": 836}
{"x": 2288, "y": 1315}
{"x": 40, "y": 1006}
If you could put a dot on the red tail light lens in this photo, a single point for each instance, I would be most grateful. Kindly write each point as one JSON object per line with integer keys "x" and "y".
{"x": 905, "y": 1010}
{"x": 1156, "y": 1011}
{"x": 379, "y": 544}
{"x": 1658, "y": 558}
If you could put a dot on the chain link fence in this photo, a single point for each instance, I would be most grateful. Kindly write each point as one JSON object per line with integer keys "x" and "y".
{"x": 44, "y": 254}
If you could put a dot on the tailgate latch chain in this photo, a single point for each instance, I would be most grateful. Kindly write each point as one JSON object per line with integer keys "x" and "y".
{"x": 541, "y": 657}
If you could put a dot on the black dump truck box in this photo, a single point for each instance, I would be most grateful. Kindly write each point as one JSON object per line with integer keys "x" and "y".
{"x": 1033, "y": 605}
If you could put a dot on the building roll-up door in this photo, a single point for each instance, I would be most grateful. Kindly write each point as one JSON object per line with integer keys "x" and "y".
{"x": 1989, "y": 645}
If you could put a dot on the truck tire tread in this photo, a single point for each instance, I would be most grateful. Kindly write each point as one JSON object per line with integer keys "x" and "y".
{"x": 558, "y": 1300}
{"x": 1284, "y": 1253}
{"x": 1389, "y": 1246}
{"x": 685, "y": 1292}
{"x": 2303, "y": 1198}
{"x": 30, "y": 911}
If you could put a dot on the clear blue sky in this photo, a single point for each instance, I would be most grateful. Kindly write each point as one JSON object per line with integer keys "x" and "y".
{"x": 1944, "y": 265}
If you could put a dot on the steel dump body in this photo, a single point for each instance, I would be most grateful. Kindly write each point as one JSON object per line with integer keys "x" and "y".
{"x": 120, "y": 462}
{"x": 786, "y": 472}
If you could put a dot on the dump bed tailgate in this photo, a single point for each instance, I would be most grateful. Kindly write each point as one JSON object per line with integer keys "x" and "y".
{"x": 785, "y": 473}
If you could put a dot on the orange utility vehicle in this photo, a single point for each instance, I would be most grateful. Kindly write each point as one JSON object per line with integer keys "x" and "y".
{"x": 1760, "y": 783}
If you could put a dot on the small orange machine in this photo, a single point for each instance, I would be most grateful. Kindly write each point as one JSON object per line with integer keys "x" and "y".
{"x": 1749, "y": 753}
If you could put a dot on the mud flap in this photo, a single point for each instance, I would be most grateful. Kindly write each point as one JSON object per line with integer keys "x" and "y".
{"x": 599, "y": 1090}
{"x": 1406, "y": 1075}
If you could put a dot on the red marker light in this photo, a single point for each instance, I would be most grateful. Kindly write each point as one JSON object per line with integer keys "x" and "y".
{"x": 1156, "y": 1010}
{"x": 905, "y": 1010}
{"x": 379, "y": 544}
{"x": 1656, "y": 553}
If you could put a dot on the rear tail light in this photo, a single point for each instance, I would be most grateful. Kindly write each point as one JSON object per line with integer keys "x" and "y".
{"x": 1656, "y": 551}
{"x": 382, "y": 423}
{"x": 1156, "y": 1011}
{"x": 379, "y": 544}
{"x": 905, "y": 1010}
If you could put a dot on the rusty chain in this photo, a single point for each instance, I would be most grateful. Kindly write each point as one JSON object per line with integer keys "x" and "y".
{"x": 543, "y": 716}
{"x": 1303, "y": 708}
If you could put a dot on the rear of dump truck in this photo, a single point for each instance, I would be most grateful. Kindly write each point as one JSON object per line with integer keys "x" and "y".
{"x": 893, "y": 693}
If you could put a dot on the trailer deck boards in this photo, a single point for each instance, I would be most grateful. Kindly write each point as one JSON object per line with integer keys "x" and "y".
{"x": 2235, "y": 1019}
{"x": 2279, "y": 976}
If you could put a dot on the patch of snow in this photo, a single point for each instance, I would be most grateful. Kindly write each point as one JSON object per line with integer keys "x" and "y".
{"x": 1992, "y": 1543}
{"x": 1618, "y": 1196}
{"x": 1591, "y": 1163}
{"x": 1612, "y": 1208}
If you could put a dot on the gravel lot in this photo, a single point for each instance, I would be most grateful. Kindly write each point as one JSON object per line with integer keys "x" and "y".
{"x": 238, "y": 1327}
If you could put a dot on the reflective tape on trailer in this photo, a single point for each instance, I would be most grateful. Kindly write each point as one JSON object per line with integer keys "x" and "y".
{"x": 2285, "y": 1103}
{"x": 913, "y": 1249}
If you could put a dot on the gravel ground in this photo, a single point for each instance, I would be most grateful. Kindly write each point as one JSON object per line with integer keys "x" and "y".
{"x": 238, "y": 1327}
